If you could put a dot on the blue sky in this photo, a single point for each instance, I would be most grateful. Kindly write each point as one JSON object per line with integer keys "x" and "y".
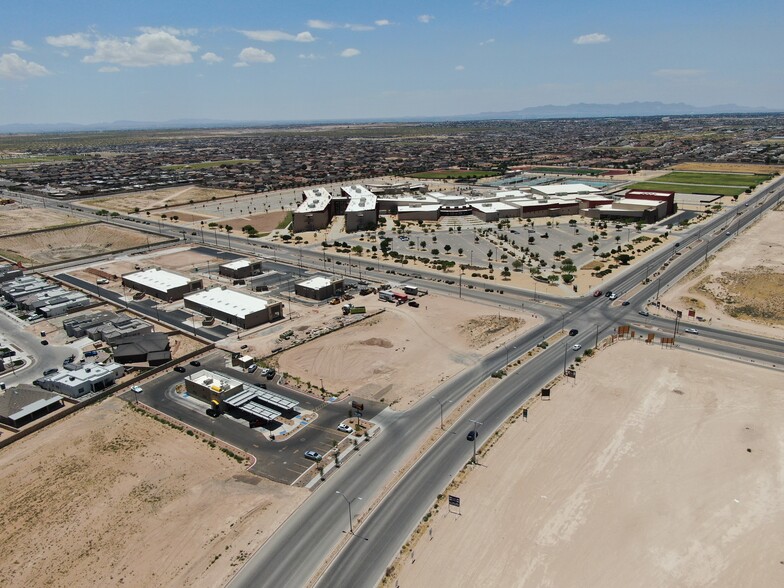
{"x": 89, "y": 61}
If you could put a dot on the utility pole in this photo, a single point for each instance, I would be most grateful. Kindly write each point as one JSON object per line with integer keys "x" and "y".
{"x": 476, "y": 424}
{"x": 596, "y": 345}
{"x": 566, "y": 347}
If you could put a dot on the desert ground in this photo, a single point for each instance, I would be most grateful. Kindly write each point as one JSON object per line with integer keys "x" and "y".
{"x": 110, "y": 497}
{"x": 657, "y": 468}
{"x": 742, "y": 288}
{"x": 71, "y": 243}
{"x": 18, "y": 219}
{"x": 402, "y": 354}
{"x": 148, "y": 199}
{"x": 744, "y": 168}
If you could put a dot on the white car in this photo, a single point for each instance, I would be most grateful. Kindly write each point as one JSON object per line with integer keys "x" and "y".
{"x": 345, "y": 428}
{"x": 691, "y": 330}
{"x": 137, "y": 389}
{"x": 613, "y": 296}
{"x": 577, "y": 346}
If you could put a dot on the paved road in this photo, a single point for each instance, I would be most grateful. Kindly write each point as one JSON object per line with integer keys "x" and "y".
{"x": 298, "y": 548}
{"x": 39, "y": 357}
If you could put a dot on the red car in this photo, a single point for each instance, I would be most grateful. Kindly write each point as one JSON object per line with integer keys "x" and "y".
{"x": 597, "y": 294}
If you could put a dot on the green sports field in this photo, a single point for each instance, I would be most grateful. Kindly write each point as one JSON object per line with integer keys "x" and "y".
{"x": 711, "y": 179}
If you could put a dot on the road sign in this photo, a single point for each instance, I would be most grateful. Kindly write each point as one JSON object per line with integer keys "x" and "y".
{"x": 357, "y": 405}
{"x": 454, "y": 501}
{"x": 357, "y": 413}
{"x": 525, "y": 413}
{"x": 545, "y": 393}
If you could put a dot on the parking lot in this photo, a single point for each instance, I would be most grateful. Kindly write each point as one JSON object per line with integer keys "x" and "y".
{"x": 282, "y": 461}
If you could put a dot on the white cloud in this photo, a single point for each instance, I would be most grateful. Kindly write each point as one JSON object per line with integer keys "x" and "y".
{"x": 241, "y": 64}
{"x": 350, "y": 52}
{"x": 425, "y": 18}
{"x": 273, "y": 36}
{"x": 591, "y": 39}
{"x": 487, "y": 42}
{"x": 383, "y": 22}
{"x": 679, "y": 73}
{"x": 211, "y": 58}
{"x": 359, "y": 27}
{"x": 255, "y": 55}
{"x": 491, "y": 3}
{"x": 152, "y": 47}
{"x": 171, "y": 30}
{"x": 108, "y": 69}
{"x": 79, "y": 40}
{"x": 459, "y": 67}
{"x": 325, "y": 25}
{"x": 13, "y": 67}
{"x": 20, "y": 46}
{"x": 310, "y": 56}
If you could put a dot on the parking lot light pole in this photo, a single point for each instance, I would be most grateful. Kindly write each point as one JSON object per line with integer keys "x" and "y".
{"x": 350, "y": 522}
{"x": 441, "y": 407}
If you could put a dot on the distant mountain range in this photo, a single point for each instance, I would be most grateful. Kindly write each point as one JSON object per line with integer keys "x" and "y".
{"x": 581, "y": 110}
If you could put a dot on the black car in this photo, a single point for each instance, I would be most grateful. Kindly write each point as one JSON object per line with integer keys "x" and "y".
{"x": 44, "y": 342}
{"x": 195, "y": 363}
{"x": 608, "y": 294}
{"x": 414, "y": 303}
{"x": 270, "y": 374}
{"x": 573, "y": 332}
{"x": 179, "y": 368}
{"x": 471, "y": 435}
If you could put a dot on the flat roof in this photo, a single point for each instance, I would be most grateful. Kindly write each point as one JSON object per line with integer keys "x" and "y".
{"x": 649, "y": 193}
{"x": 640, "y": 202}
{"x": 594, "y": 198}
{"x": 236, "y": 264}
{"x": 88, "y": 373}
{"x": 245, "y": 400}
{"x": 158, "y": 279}
{"x": 229, "y": 301}
{"x": 488, "y": 206}
{"x": 271, "y": 398}
{"x": 555, "y": 189}
{"x": 316, "y": 283}
{"x": 418, "y": 207}
{"x": 316, "y": 200}
{"x": 210, "y": 379}
{"x": 360, "y": 198}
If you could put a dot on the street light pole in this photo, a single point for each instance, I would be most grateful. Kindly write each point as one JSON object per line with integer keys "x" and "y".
{"x": 597, "y": 337}
{"x": 441, "y": 407}
{"x": 565, "y": 349}
{"x": 476, "y": 423}
{"x": 350, "y": 522}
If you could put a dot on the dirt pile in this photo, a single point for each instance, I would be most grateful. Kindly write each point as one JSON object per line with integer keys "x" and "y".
{"x": 483, "y": 330}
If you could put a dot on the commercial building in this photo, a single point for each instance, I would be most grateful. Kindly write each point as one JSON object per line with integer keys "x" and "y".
{"x": 315, "y": 212}
{"x": 233, "y": 307}
{"x": 162, "y": 284}
{"x": 211, "y": 387}
{"x": 89, "y": 378}
{"x": 319, "y": 288}
{"x": 23, "y": 404}
{"x": 646, "y": 211}
{"x": 564, "y": 190}
{"x": 239, "y": 269}
{"x": 10, "y": 272}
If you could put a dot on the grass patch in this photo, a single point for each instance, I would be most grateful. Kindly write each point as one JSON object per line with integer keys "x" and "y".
{"x": 286, "y": 220}
{"x": 208, "y": 164}
{"x": 454, "y": 174}
{"x": 688, "y": 189}
{"x": 39, "y": 159}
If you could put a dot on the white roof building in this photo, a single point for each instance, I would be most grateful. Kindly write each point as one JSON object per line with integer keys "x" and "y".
{"x": 236, "y": 264}
{"x": 158, "y": 279}
{"x": 228, "y": 302}
{"x": 316, "y": 283}
{"x": 360, "y": 198}
{"x": 316, "y": 200}
{"x": 564, "y": 189}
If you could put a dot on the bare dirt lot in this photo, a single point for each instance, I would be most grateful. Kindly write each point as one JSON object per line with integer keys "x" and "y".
{"x": 745, "y": 168}
{"x": 741, "y": 287}
{"x": 674, "y": 480}
{"x": 263, "y": 223}
{"x": 402, "y": 354}
{"x": 71, "y": 243}
{"x": 109, "y": 497}
{"x": 147, "y": 199}
{"x": 15, "y": 219}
